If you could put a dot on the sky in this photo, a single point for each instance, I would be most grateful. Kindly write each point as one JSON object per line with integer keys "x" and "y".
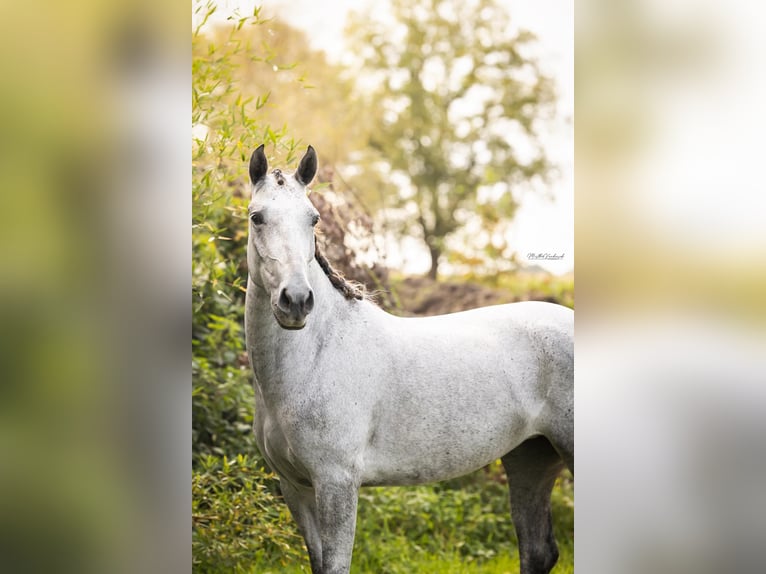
{"x": 541, "y": 226}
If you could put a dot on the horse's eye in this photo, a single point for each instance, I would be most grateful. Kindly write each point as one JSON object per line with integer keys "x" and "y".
{"x": 315, "y": 219}
{"x": 257, "y": 217}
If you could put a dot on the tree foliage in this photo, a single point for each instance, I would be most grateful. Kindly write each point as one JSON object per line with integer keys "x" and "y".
{"x": 292, "y": 85}
{"x": 458, "y": 105}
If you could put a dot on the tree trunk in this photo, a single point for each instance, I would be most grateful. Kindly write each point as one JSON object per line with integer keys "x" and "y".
{"x": 435, "y": 255}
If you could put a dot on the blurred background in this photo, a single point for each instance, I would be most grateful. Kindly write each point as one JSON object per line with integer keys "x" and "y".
{"x": 95, "y": 405}
{"x": 670, "y": 384}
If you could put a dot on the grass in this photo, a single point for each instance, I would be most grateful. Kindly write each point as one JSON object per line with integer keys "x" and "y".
{"x": 439, "y": 564}
{"x": 431, "y": 564}
{"x": 457, "y": 565}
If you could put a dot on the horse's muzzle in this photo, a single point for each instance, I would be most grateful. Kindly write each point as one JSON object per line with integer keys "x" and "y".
{"x": 293, "y": 305}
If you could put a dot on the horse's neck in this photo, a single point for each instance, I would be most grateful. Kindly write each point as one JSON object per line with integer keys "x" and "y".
{"x": 277, "y": 355}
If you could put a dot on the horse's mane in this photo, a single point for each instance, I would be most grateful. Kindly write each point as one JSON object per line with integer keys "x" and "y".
{"x": 349, "y": 289}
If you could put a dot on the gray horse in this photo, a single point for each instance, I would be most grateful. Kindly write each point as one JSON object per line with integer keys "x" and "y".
{"x": 352, "y": 396}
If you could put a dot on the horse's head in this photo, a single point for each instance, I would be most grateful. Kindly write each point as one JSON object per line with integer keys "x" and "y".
{"x": 281, "y": 243}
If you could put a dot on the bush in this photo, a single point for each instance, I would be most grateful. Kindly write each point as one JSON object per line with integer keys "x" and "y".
{"x": 239, "y": 522}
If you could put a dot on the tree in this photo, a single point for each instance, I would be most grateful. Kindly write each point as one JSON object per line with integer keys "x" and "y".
{"x": 295, "y": 86}
{"x": 458, "y": 106}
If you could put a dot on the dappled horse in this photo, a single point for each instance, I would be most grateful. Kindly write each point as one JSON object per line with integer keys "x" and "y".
{"x": 347, "y": 395}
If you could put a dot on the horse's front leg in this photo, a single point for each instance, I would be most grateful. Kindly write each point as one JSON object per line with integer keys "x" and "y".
{"x": 302, "y": 504}
{"x": 336, "y": 498}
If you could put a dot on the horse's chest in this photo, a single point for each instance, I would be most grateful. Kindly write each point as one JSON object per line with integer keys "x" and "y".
{"x": 302, "y": 431}
{"x": 275, "y": 446}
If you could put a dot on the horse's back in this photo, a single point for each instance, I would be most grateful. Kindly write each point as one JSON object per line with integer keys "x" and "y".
{"x": 521, "y": 313}
{"x": 529, "y": 314}
{"x": 547, "y": 326}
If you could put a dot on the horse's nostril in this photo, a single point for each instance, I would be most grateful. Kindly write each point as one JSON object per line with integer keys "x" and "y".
{"x": 284, "y": 300}
{"x": 309, "y": 304}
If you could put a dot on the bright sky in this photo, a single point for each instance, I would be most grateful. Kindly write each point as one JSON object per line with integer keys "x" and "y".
{"x": 540, "y": 225}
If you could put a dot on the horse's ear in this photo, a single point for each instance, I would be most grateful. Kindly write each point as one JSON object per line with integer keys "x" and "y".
{"x": 308, "y": 167}
{"x": 258, "y": 165}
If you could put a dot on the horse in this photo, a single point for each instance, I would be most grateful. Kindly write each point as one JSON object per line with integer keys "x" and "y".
{"x": 347, "y": 395}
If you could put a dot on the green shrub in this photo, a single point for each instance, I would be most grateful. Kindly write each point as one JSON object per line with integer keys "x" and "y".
{"x": 239, "y": 522}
